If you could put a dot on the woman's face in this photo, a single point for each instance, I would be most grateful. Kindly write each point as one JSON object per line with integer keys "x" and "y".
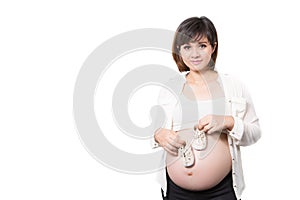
{"x": 197, "y": 55}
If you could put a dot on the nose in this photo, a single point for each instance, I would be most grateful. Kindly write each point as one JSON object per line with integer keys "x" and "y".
{"x": 195, "y": 53}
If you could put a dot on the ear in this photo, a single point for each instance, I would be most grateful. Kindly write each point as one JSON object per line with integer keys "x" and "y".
{"x": 214, "y": 47}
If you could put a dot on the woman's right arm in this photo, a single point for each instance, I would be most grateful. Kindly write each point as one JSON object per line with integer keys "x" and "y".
{"x": 164, "y": 136}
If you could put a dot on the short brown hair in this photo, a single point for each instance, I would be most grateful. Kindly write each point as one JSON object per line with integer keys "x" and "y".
{"x": 191, "y": 30}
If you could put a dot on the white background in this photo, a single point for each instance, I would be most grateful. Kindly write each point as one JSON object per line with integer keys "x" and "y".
{"x": 42, "y": 48}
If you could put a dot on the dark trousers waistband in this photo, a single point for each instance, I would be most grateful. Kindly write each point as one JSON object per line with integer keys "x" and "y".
{"x": 222, "y": 191}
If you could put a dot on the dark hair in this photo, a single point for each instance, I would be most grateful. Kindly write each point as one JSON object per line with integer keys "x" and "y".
{"x": 192, "y": 30}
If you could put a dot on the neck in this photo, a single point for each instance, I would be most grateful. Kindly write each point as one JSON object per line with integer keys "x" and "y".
{"x": 203, "y": 76}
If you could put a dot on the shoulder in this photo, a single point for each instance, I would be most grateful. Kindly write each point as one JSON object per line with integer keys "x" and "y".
{"x": 176, "y": 80}
{"x": 233, "y": 84}
{"x": 175, "y": 83}
{"x": 172, "y": 88}
{"x": 230, "y": 79}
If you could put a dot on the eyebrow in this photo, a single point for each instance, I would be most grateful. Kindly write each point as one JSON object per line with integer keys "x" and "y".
{"x": 196, "y": 42}
{"x": 202, "y": 42}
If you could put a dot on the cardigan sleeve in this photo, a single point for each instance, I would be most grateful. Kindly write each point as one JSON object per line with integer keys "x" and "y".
{"x": 246, "y": 130}
{"x": 167, "y": 101}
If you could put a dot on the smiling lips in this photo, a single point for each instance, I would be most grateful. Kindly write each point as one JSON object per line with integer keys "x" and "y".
{"x": 195, "y": 62}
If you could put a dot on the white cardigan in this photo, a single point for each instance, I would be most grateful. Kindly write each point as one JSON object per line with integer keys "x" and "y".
{"x": 246, "y": 130}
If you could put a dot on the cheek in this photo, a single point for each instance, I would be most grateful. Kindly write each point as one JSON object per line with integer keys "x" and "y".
{"x": 207, "y": 57}
{"x": 207, "y": 54}
{"x": 185, "y": 60}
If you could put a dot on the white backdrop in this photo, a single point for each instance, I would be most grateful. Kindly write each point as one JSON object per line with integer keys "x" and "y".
{"x": 43, "y": 46}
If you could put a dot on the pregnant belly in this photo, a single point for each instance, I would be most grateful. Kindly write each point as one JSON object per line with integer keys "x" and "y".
{"x": 206, "y": 172}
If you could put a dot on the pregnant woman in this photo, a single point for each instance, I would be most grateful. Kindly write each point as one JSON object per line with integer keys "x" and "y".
{"x": 206, "y": 123}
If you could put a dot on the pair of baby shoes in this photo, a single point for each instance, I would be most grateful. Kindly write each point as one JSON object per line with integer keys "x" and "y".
{"x": 199, "y": 143}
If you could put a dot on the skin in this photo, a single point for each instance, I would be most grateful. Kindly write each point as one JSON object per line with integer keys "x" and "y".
{"x": 196, "y": 56}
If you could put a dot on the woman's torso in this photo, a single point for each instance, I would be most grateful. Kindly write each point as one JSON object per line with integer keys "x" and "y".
{"x": 211, "y": 165}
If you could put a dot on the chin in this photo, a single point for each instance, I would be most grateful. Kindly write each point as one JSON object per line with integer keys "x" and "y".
{"x": 198, "y": 68}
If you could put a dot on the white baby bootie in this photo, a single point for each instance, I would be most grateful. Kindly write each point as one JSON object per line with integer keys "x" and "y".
{"x": 200, "y": 140}
{"x": 186, "y": 153}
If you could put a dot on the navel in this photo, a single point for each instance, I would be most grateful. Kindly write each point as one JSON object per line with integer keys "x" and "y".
{"x": 189, "y": 173}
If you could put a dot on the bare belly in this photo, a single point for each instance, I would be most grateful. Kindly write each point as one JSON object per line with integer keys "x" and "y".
{"x": 206, "y": 172}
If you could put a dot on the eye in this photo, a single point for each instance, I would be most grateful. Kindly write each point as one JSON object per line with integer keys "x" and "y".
{"x": 202, "y": 46}
{"x": 186, "y": 47}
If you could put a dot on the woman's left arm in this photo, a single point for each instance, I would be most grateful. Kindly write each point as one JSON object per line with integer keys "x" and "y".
{"x": 241, "y": 124}
{"x": 246, "y": 129}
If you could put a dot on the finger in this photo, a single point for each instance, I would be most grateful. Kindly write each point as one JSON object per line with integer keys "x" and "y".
{"x": 176, "y": 138}
{"x": 173, "y": 136}
{"x": 177, "y": 143}
{"x": 213, "y": 125}
{"x": 171, "y": 149}
{"x": 173, "y": 133}
{"x": 171, "y": 152}
{"x": 181, "y": 142}
{"x": 202, "y": 123}
{"x": 200, "y": 126}
{"x": 207, "y": 128}
{"x": 214, "y": 129}
{"x": 210, "y": 131}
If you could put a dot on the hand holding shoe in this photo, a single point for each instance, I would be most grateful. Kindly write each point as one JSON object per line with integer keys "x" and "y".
{"x": 169, "y": 140}
{"x": 215, "y": 123}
